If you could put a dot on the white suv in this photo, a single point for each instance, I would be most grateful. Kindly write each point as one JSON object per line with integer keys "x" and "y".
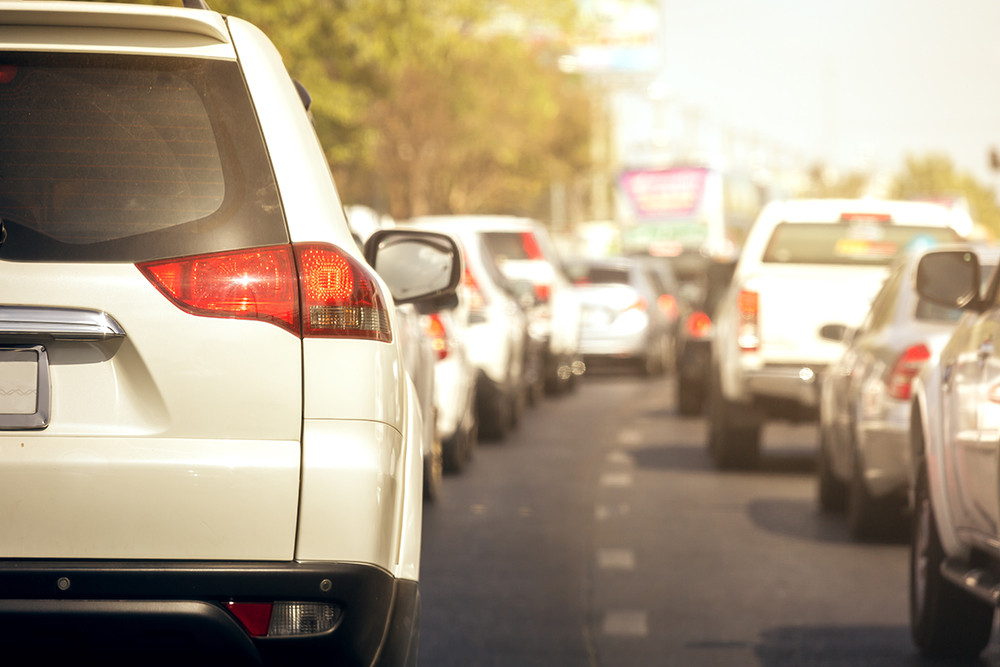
{"x": 207, "y": 441}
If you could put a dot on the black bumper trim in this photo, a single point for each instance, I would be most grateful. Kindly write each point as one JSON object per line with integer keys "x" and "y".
{"x": 179, "y": 604}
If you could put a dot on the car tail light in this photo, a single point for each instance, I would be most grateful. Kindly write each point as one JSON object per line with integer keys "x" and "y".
{"x": 905, "y": 369}
{"x": 285, "y": 619}
{"x": 477, "y": 300}
{"x": 434, "y": 330}
{"x": 530, "y": 245}
{"x": 259, "y": 284}
{"x": 542, "y": 292}
{"x": 340, "y": 298}
{"x": 747, "y": 305}
{"x": 667, "y": 305}
{"x": 699, "y": 324}
{"x": 255, "y": 616}
{"x": 8, "y": 73}
{"x": 639, "y": 304}
{"x": 330, "y": 294}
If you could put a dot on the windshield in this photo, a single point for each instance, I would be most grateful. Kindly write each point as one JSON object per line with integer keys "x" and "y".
{"x": 847, "y": 243}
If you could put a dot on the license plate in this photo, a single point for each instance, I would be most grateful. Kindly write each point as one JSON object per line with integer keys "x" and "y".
{"x": 25, "y": 394}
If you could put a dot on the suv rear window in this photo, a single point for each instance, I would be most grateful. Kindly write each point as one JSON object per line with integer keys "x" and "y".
{"x": 605, "y": 275}
{"x": 867, "y": 244}
{"x": 130, "y": 158}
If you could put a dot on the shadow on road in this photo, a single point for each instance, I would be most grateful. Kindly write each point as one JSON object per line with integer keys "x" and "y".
{"x": 694, "y": 457}
{"x": 801, "y": 518}
{"x": 870, "y": 646}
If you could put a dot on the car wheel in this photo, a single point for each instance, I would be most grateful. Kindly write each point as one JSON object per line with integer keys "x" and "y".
{"x": 494, "y": 416}
{"x": 868, "y": 517}
{"x": 433, "y": 467}
{"x": 946, "y": 622}
{"x": 690, "y": 397}
{"x": 832, "y": 491}
{"x": 732, "y": 444}
{"x": 453, "y": 452}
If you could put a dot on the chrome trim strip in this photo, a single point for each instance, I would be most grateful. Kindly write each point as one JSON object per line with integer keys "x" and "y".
{"x": 72, "y": 324}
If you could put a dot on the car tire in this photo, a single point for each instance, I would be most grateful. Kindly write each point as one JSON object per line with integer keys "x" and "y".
{"x": 690, "y": 397}
{"x": 946, "y": 622}
{"x": 494, "y": 415}
{"x": 832, "y": 491}
{"x": 733, "y": 444}
{"x": 868, "y": 517}
{"x": 453, "y": 452}
{"x": 433, "y": 469}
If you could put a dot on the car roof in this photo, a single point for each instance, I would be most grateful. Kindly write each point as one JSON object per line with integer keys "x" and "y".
{"x": 114, "y": 15}
{"x": 833, "y": 210}
{"x": 478, "y": 223}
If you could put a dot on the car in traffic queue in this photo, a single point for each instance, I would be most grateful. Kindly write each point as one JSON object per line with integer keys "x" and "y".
{"x": 521, "y": 248}
{"x": 864, "y": 431}
{"x": 805, "y": 264}
{"x": 627, "y": 313}
{"x": 496, "y": 337}
{"x": 208, "y": 442}
{"x": 954, "y": 471}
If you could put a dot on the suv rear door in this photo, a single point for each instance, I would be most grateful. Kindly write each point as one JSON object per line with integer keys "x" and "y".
{"x": 170, "y": 434}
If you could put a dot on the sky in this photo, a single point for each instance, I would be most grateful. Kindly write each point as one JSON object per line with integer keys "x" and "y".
{"x": 852, "y": 82}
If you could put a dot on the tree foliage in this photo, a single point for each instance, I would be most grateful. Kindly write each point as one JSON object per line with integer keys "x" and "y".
{"x": 935, "y": 175}
{"x": 433, "y": 106}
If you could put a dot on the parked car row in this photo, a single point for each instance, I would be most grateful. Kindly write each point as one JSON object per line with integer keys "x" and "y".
{"x": 875, "y": 319}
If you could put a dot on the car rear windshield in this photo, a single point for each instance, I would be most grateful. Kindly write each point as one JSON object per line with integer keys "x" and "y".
{"x": 598, "y": 275}
{"x": 513, "y": 246}
{"x": 867, "y": 244}
{"x": 120, "y": 158}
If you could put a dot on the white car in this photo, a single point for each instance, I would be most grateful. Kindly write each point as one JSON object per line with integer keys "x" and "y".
{"x": 955, "y": 476}
{"x": 207, "y": 438}
{"x": 863, "y": 463}
{"x": 522, "y": 249}
{"x": 495, "y": 332}
{"x": 806, "y": 264}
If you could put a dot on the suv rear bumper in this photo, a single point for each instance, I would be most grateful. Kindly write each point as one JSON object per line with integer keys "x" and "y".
{"x": 176, "y": 609}
{"x": 796, "y": 382}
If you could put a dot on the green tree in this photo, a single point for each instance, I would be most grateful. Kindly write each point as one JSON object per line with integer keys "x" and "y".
{"x": 433, "y": 106}
{"x": 934, "y": 175}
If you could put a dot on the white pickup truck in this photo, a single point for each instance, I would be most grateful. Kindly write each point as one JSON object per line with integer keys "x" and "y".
{"x": 806, "y": 275}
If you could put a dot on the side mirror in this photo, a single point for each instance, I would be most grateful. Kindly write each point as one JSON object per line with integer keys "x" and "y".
{"x": 949, "y": 278}
{"x": 838, "y": 333}
{"x": 417, "y": 266}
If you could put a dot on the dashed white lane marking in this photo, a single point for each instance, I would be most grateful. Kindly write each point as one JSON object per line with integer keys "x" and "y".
{"x": 626, "y": 623}
{"x": 616, "y": 559}
{"x": 478, "y": 509}
{"x": 618, "y": 457}
{"x": 602, "y": 512}
{"x": 525, "y": 511}
{"x": 617, "y": 479}
{"x": 630, "y": 436}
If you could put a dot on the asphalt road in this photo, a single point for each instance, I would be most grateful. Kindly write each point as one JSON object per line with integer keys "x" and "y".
{"x": 600, "y": 535}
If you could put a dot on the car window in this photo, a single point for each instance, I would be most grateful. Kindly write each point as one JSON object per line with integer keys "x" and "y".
{"x": 884, "y": 304}
{"x": 847, "y": 243}
{"x": 608, "y": 275}
{"x": 130, "y": 158}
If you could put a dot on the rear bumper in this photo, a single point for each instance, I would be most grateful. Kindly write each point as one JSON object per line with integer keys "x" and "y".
{"x": 176, "y": 610}
{"x": 796, "y": 382}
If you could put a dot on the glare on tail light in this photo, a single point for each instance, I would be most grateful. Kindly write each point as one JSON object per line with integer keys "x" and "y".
{"x": 667, "y": 305}
{"x": 907, "y": 366}
{"x": 311, "y": 289}
{"x": 259, "y": 284}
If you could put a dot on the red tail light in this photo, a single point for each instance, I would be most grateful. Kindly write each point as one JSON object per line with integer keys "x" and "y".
{"x": 667, "y": 305}
{"x": 699, "y": 324}
{"x": 905, "y": 369}
{"x": 330, "y": 295}
{"x": 477, "y": 300}
{"x": 530, "y": 245}
{"x": 748, "y": 305}
{"x": 434, "y": 329}
{"x": 542, "y": 292}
